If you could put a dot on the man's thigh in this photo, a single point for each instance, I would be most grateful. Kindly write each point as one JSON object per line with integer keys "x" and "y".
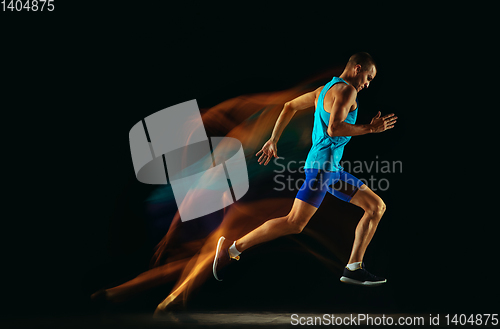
{"x": 315, "y": 186}
{"x": 346, "y": 186}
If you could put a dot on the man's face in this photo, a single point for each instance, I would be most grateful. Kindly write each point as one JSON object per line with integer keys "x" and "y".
{"x": 364, "y": 77}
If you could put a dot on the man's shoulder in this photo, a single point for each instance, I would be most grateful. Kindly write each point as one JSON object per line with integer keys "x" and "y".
{"x": 344, "y": 91}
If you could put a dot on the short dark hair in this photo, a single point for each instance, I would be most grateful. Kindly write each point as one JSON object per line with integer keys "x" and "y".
{"x": 364, "y": 59}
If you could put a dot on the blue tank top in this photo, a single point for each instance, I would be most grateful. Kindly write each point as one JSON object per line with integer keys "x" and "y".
{"x": 326, "y": 152}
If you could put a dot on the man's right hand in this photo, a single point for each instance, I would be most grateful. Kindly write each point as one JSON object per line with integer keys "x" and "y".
{"x": 269, "y": 150}
{"x": 380, "y": 124}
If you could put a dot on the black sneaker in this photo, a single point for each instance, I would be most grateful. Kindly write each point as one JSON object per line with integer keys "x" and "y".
{"x": 361, "y": 277}
{"x": 222, "y": 257}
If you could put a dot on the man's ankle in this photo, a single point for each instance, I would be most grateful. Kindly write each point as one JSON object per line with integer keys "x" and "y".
{"x": 233, "y": 252}
{"x": 354, "y": 266}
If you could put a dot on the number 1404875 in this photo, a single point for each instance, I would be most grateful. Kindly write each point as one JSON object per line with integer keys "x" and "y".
{"x": 28, "y": 5}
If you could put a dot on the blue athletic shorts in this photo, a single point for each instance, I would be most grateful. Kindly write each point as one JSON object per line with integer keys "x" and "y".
{"x": 340, "y": 184}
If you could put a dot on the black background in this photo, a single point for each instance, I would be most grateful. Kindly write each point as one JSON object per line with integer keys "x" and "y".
{"x": 76, "y": 80}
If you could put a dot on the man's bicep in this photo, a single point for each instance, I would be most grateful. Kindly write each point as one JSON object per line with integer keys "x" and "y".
{"x": 340, "y": 108}
{"x": 338, "y": 114}
{"x": 304, "y": 101}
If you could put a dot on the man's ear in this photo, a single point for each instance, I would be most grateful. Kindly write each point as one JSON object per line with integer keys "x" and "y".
{"x": 357, "y": 69}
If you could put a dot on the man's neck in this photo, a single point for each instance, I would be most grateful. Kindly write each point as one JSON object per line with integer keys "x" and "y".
{"x": 344, "y": 76}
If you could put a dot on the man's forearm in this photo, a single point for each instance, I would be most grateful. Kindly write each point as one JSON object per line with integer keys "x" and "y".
{"x": 347, "y": 129}
{"x": 284, "y": 118}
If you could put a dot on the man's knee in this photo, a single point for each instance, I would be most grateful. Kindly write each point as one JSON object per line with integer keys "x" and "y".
{"x": 295, "y": 225}
{"x": 376, "y": 209}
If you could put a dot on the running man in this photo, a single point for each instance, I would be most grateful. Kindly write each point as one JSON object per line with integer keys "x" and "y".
{"x": 336, "y": 108}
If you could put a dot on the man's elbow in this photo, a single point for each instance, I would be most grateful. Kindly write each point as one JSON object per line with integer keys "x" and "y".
{"x": 333, "y": 130}
{"x": 288, "y": 107}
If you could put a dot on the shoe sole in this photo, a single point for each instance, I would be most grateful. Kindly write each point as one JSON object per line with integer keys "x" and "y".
{"x": 216, "y": 259}
{"x": 362, "y": 283}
